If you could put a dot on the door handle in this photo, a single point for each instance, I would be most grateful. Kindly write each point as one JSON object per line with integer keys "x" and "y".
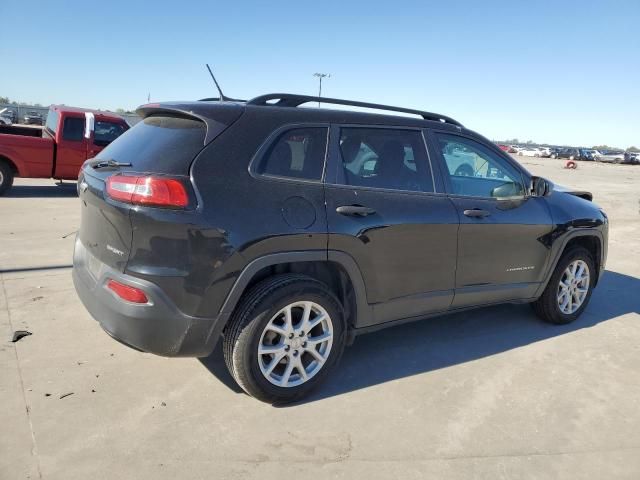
{"x": 355, "y": 210}
{"x": 477, "y": 213}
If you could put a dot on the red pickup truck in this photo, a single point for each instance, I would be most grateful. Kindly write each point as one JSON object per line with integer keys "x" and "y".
{"x": 58, "y": 150}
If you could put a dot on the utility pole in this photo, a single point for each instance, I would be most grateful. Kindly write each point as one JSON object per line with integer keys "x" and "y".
{"x": 320, "y": 77}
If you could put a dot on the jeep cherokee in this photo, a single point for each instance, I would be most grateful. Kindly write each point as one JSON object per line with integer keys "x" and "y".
{"x": 287, "y": 231}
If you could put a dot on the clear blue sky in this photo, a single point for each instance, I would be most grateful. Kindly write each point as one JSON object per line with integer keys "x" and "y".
{"x": 565, "y": 72}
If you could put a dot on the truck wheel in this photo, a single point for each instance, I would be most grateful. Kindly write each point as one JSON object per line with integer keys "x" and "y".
{"x": 284, "y": 337}
{"x": 6, "y": 177}
{"x": 569, "y": 290}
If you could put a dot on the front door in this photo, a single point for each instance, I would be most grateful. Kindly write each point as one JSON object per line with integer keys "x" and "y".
{"x": 71, "y": 150}
{"x": 500, "y": 253}
{"x": 383, "y": 210}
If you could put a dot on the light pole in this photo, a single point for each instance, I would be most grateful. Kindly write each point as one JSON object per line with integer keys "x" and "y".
{"x": 320, "y": 77}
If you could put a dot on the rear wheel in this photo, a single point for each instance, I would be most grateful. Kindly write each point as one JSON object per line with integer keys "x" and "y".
{"x": 6, "y": 177}
{"x": 569, "y": 290}
{"x": 284, "y": 337}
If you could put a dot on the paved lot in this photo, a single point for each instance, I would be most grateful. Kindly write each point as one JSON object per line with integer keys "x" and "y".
{"x": 489, "y": 394}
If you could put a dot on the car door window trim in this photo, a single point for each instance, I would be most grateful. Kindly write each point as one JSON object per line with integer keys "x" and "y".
{"x": 273, "y": 137}
{"x": 446, "y": 176}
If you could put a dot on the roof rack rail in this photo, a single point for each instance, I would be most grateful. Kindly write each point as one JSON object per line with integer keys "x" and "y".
{"x": 217, "y": 99}
{"x": 293, "y": 100}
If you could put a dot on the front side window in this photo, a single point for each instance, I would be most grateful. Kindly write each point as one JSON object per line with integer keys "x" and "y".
{"x": 107, "y": 132}
{"x": 476, "y": 171}
{"x": 73, "y": 128}
{"x": 297, "y": 153}
{"x": 385, "y": 158}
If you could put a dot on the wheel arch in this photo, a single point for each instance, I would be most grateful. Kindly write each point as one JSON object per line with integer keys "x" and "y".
{"x": 592, "y": 240}
{"x": 11, "y": 163}
{"x": 336, "y": 269}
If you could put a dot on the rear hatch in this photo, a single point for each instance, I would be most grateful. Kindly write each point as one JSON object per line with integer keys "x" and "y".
{"x": 164, "y": 143}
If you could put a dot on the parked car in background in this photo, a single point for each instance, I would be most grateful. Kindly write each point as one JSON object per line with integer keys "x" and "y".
{"x": 513, "y": 148}
{"x": 570, "y": 153}
{"x": 529, "y": 152}
{"x": 545, "y": 151}
{"x": 4, "y": 119}
{"x": 249, "y": 224}
{"x": 504, "y": 148}
{"x": 631, "y": 158}
{"x": 58, "y": 150}
{"x": 33, "y": 118}
{"x": 611, "y": 156}
{"x": 461, "y": 161}
{"x": 8, "y": 116}
{"x": 588, "y": 154}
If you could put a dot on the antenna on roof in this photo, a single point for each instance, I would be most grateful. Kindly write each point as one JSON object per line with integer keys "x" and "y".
{"x": 222, "y": 97}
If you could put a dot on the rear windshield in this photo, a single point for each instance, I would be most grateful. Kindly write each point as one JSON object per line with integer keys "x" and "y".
{"x": 160, "y": 144}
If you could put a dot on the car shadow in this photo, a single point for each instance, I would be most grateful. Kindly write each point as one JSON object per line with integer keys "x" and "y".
{"x": 43, "y": 191}
{"x": 440, "y": 342}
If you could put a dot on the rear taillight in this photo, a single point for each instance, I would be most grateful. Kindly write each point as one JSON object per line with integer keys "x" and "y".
{"x": 148, "y": 190}
{"x": 126, "y": 292}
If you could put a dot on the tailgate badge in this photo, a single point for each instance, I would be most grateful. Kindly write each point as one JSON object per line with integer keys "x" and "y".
{"x": 115, "y": 250}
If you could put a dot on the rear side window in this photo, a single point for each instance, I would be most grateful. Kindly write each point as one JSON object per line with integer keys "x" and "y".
{"x": 165, "y": 144}
{"x": 52, "y": 121}
{"x": 107, "y": 132}
{"x": 297, "y": 153}
{"x": 73, "y": 129}
{"x": 385, "y": 158}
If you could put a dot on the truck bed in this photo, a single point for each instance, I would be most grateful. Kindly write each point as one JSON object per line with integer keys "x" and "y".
{"x": 31, "y": 150}
{"x": 21, "y": 130}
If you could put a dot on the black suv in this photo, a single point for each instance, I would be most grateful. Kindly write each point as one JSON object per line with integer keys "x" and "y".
{"x": 570, "y": 153}
{"x": 288, "y": 231}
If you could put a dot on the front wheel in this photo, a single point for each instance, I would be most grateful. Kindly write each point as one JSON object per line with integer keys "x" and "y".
{"x": 6, "y": 177}
{"x": 284, "y": 337}
{"x": 569, "y": 290}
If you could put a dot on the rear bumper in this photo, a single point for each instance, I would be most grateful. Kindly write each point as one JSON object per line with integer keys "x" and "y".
{"x": 157, "y": 327}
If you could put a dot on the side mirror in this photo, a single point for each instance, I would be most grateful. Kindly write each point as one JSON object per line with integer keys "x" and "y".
{"x": 89, "y": 124}
{"x": 540, "y": 187}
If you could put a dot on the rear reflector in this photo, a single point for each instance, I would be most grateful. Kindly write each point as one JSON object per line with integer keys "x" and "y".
{"x": 146, "y": 190}
{"x": 126, "y": 292}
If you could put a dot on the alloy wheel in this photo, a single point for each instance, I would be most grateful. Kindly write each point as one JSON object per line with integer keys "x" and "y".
{"x": 295, "y": 344}
{"x": 573, "y": 287}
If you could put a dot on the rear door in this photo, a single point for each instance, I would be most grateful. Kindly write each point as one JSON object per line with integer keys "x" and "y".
{"x": 384, "y": 209}
{"x": 500, "y": 253}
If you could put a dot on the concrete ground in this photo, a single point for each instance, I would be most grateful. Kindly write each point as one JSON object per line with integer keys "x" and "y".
{"x": 492, "y": 394}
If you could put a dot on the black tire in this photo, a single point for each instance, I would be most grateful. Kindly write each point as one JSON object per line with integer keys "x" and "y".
{"x": 255, "y": 310}
{"x": 546, "y": 307}
{"x": 6, "y": 177}
{"x": 464, "y": 170}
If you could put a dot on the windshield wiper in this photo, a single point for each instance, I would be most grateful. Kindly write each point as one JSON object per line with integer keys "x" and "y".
{"x": 109, "y": 163}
